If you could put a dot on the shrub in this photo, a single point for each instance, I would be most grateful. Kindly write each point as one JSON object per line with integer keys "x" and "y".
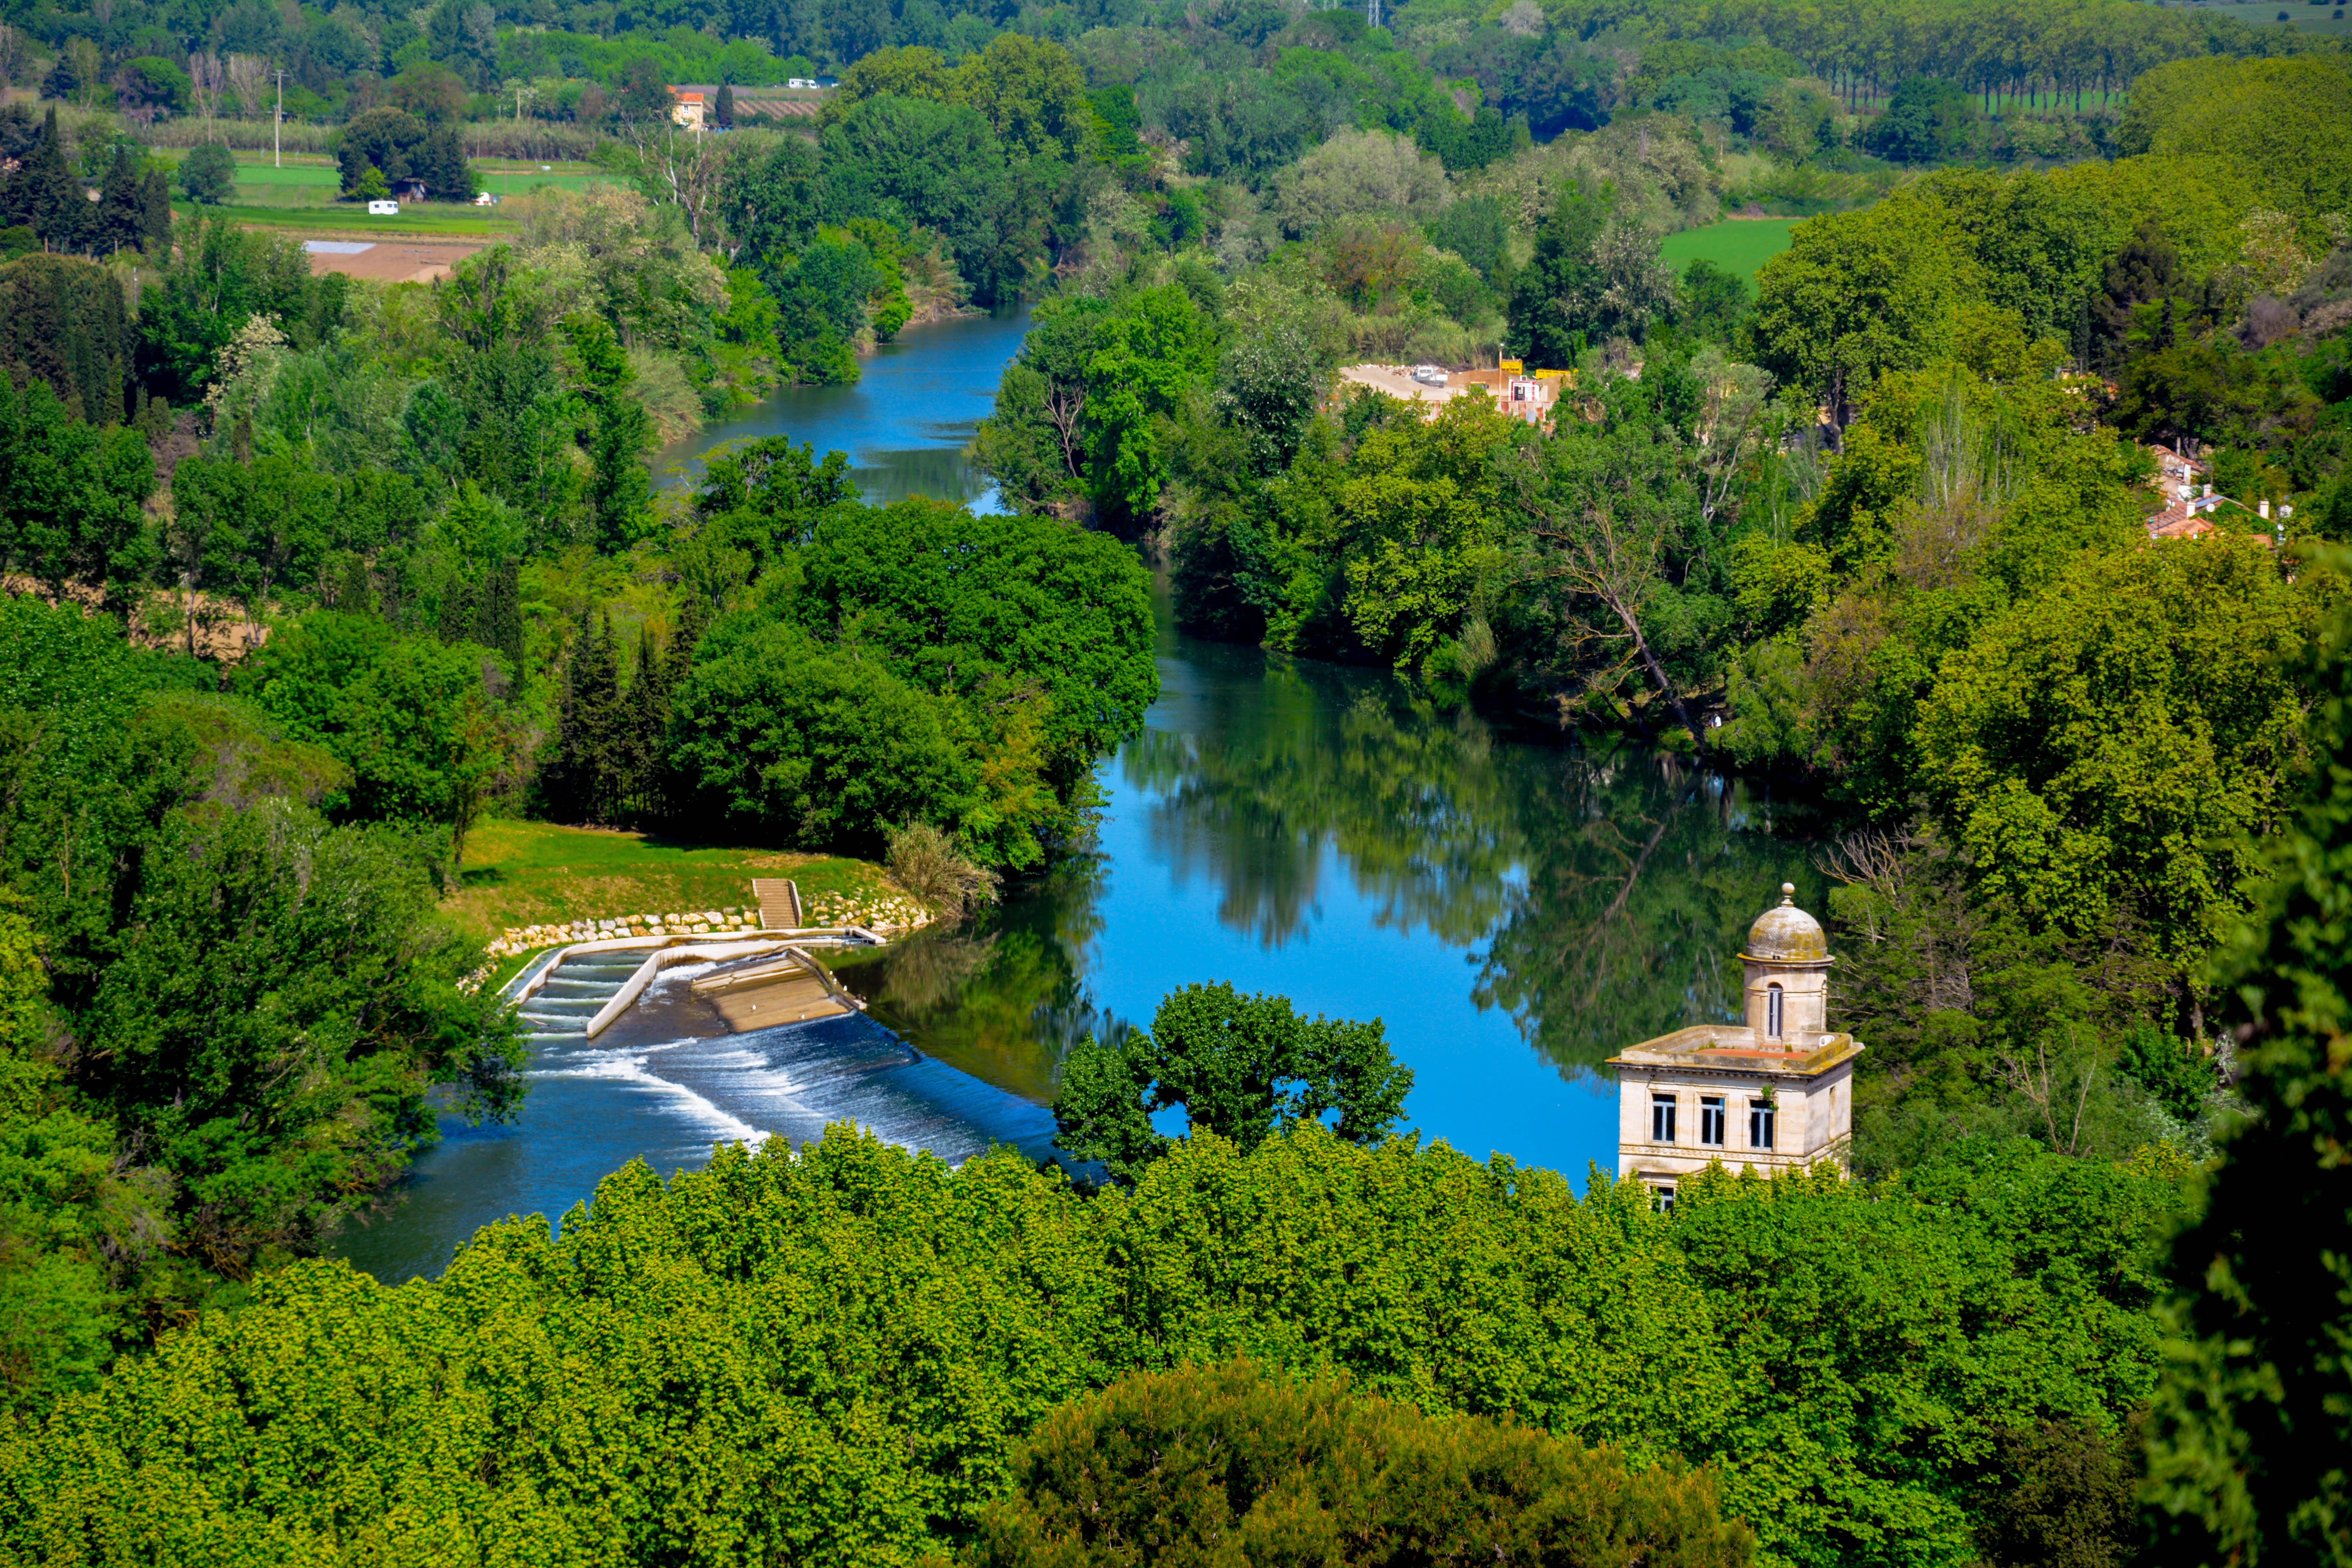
{"x": 929, "y": 864}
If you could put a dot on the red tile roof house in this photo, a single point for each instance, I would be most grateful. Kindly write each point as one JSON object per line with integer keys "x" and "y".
{"x": 2192, "y": 515}
{"x": 2176, "y": 467}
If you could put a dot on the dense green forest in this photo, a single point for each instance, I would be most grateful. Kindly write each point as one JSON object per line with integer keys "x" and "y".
{"x": 307, "y": 576}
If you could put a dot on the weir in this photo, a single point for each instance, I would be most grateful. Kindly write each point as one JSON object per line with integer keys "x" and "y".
{"x": 595, "y": 982}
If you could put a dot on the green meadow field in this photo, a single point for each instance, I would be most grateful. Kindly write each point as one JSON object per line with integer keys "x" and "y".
{"x": 1736, "y": 244}
{"x": 303, "y": 195}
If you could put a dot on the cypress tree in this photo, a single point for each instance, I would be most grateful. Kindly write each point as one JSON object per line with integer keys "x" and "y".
{"x": 498, "y": 623}
{"x": 120, "y": 219}
{"x": 693, "y": 616}
{"x": 637, "y": 751}
{"x": 60, "y": 206}
{"x": 723, "y": 111}
{"x": 440, "y": 162}
{"x": 577, "y": 785}
{"x": 64, "y": 321}
{"x": 155, "y": 215}
{"x": 356, "y": 594}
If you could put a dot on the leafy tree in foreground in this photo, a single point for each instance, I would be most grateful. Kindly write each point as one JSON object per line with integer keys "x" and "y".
{"x": 1240, "y": 1066}
{"x": 241, "y": 1014}
{"x": 2255, "y": 1424}
{"x": 1235, "y": 1463}
{"x": 73, "y": 1219}
{"x": 282, "y": 1003}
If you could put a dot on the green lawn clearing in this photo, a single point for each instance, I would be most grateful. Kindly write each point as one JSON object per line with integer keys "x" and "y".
{"x": 536, "y": 873}
{"x": 1736, "y": 244}
{"x": 349, "y": 217}
{"x": 315, "y": 176}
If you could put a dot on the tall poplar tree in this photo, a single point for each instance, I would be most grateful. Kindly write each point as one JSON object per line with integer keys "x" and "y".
{"x": 619, "y": 491}
{"x": 497, "y": 615}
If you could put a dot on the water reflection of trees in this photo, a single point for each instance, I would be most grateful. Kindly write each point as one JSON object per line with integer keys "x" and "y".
{"x": 1641, "y": 879}
{"x": 1002, "y": 995}
{"x": 1313, "y": 756}
{"x": 1610, "y": 889}
{"x": 1603, "y": 893}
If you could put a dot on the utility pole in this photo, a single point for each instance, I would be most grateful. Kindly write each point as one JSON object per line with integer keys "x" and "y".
{"x": 276, "y": 158}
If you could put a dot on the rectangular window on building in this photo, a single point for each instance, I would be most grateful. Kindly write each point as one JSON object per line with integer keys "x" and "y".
{"x": 1760, "y": 1125}
{"x": 1662, "y": 1119}
{"x": 1711, "y": 1120}
{"x": 1661, "y": 1197}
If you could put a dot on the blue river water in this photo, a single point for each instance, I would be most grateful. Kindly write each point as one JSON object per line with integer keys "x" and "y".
{"x": 904, "y": 425}
{"x": 1514, "y": 908}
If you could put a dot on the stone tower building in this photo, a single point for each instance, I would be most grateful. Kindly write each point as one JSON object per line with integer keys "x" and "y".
{"x": 1775, "y": 1092}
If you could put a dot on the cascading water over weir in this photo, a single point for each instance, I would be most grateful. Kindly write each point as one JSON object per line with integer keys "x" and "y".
{"x": 667, "y": 1046}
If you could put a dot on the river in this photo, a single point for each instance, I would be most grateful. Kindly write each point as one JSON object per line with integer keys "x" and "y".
{"x": 1513, "y": 907}
{"x": 904, "y": 425}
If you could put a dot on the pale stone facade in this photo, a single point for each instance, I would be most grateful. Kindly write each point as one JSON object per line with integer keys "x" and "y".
{"x": 1775, "y": 1092}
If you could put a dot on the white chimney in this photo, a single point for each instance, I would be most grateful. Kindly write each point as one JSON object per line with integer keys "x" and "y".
{"x": 2265, "y": 510}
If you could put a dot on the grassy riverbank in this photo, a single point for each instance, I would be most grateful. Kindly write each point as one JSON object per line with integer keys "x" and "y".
{"x": 532, "y": 873}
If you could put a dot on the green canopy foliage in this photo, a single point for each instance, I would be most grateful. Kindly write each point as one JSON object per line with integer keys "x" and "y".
{"x": 70, "y": 493}
{"x": 656, "y": 1380}
{"x": 421, "y": 723}
{"x": 1188, "y": 1464}
{"x": 907, "y": 662}
{"x": 209, "y": 174}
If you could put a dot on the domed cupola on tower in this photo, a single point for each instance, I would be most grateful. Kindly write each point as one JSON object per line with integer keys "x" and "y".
{"x": 1788, "y": 962}
{"x": 1774, "y": 1091}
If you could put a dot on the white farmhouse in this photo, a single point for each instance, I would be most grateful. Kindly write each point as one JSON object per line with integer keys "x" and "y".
{"x": 1775, "y": 1092}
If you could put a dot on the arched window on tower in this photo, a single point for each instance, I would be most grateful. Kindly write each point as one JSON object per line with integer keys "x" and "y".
{"x": 1772, "y": 1012}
